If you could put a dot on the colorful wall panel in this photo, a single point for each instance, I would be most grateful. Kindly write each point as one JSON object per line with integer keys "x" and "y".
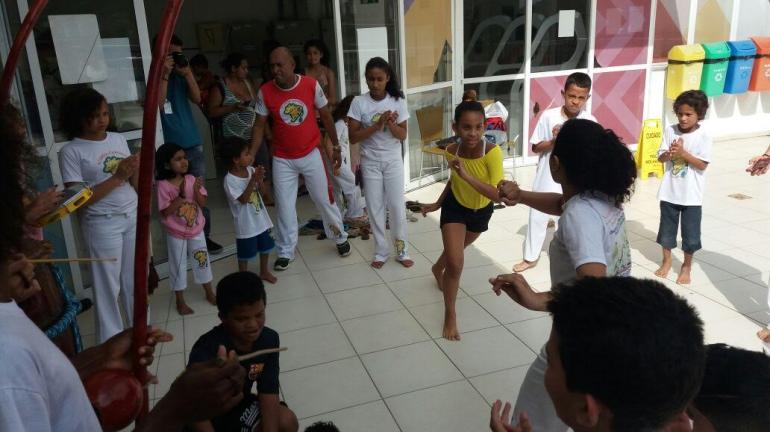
{"x": 622, "y": 32}
{"x": 712, "y": 24}
{"x": 671, "y": 24}
{"x": 618, "y": 102}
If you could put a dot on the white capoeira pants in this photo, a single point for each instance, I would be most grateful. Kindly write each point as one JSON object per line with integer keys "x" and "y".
{"x": 534, "y": 400}
{"x": 345, "y": 181}
{"x": 109, "y": 236}
{"x": 536, "y": 232}
{"x": 384, "y": 190}
{"x": 286, "y": 174}
{"x": 178, "y": 251}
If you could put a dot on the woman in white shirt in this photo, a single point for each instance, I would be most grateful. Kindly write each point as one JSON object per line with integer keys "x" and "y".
{"x": 597, "y": 173}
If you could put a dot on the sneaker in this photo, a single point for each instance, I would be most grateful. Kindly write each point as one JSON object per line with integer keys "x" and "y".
{"x": 282, "y": 264}
{"x": 344, "y": 249}
{"x": 213, "y": 246}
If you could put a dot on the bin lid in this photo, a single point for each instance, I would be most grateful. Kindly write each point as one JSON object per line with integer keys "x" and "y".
{"x": 742, "y": 48}
{"x": 686, "y": 53}
{"x": 762, "y": 44}
{"x": 716, "y": 50}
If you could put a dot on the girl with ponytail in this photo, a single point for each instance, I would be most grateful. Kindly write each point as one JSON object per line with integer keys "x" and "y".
{"x": 378, "y": 121}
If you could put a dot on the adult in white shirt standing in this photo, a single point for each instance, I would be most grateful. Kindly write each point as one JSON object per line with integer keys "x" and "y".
{"x": 576, "y": 93}
{"x": 102, "y": 161}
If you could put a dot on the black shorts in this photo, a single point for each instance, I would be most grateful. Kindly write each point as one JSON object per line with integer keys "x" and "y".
{"x": 474, "y": 220}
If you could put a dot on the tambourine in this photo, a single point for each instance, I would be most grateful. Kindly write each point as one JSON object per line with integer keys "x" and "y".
{"x": 74, "y": 198}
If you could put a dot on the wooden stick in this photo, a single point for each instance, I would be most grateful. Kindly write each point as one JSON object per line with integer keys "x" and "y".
{"x": 259, "y": 353}
{"x": 66, "y": 260}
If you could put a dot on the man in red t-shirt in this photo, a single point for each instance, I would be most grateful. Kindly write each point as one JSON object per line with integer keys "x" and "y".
{"x": 292, "y": 100}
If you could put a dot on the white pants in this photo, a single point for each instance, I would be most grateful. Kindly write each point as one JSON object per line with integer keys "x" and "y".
{"x": 384, "y": 189}
{"x": 111, "y": 236}
{"x": 178, "y": 249}
{"x": 285, "y": 182}
{"x": 345, "y": 181}
{"x": 536, "y": 232}
{"x": 534, "y": 400}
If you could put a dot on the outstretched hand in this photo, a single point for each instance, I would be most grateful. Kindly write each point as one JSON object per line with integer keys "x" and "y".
{"x": 118, "y": 352}
{"x": 500, "y": 422}
{"x": 758, "y": 165}
{"x": 519, "y": 290}
{"x": 428, "y": 208}
{"x": 510, "y": 193}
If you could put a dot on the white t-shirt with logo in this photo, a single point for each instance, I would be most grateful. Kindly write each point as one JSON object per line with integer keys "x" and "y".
{"x": 251, "y": 219}
{"x": 40, "y": 390}
{"x": 683, "y": 184}
{"x": 591, "y": 230}
{"x": 343, "y": 138}
{"x": 382, "y": 145}
{"x": 544, "y": 132}
{"x": 93, "y": 162}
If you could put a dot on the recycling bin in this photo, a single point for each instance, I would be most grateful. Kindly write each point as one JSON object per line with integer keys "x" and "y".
{"x": 760, "y": 76}
{"x": 685, "y": 64}
{"x": 741, "y": 63}
{"x": 712, "y": 80}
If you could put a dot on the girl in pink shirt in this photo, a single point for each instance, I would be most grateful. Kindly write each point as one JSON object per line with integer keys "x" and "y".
{"x": 181, "y": 198}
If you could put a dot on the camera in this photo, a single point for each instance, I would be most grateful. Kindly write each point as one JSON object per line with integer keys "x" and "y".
{"x": 180, "y": 60}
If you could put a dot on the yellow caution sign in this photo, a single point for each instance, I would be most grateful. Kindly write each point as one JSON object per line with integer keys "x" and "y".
{"x": 647, "y": 151}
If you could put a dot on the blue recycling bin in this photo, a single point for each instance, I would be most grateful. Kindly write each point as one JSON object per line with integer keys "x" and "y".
{"x": 741, "y": 63}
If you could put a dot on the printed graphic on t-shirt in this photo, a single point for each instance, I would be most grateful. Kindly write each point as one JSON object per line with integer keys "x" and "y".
{"x": 376, "y": 117}
{"x": 255, "y": 201}
{"x": 679, "y": 167}
{"x": 111, "y": 162}
{"x": 188, "y": 212}
{"x": 620, "y": 261}
{"x": 255, "y": 371}
{"x": 293, "y": 112}
{"x": 201, "y": 256}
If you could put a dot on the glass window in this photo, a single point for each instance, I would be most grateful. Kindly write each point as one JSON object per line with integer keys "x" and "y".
{"x": 753, "y": 19}
{"x": 671, "y": 24}
{"x": 113, "y": 65}
{"x": 428, "y": 27}
{"x": 622, "y": 32}
{"x": 510, "y": 95}
{"x": 493, "y": 37}
{"x": 712, "y": 22}
{"x": 559, "y": 34}
{"x": 430, "y": 119}
{"x": 369, "y": 29}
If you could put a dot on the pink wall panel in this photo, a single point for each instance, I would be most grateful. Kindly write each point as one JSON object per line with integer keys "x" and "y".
{"x": 622, "y": 31}
{"x": 544, "y": 93}
{"x": 618, "y": 102}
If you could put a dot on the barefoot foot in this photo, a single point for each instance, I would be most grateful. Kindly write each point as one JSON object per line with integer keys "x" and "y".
{"x": 450, "y": 328}
{"x": 684, "y": 276}
{"x": 438, "y": 273}
{"x": 211, "y": 297}
{"x": 378, "y": 264}
{"x": 406, "y": 262}
{"x": 268, "y": 277}
{"x": 183, "y": 309}
{"x": 524, "y": 265}
{"x": 662, "y": 271}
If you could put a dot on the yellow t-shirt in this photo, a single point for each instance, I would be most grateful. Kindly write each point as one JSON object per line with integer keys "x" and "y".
{"x": 487, "y": 169}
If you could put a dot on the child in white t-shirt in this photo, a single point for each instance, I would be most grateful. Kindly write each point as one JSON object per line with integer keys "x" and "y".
{"x": 686, "y": 152}
{"x": 344, "y": 179}
{"x": 577, "y": 89}
{"x": 378, "y": 121}
{"x": 252, "y": 223}
{"x": 597, "y": 172}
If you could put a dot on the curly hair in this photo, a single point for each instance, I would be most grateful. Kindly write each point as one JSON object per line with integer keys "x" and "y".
{"x": 694, "y": 98}
{"x": 594, "y": 159}
{"x": 77, "y": 107}
{"x": 13, "y": 153}
{"x": 231, "y": 148}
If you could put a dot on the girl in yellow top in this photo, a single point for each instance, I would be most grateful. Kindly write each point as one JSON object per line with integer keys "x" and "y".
{"x": 466, "y": 202}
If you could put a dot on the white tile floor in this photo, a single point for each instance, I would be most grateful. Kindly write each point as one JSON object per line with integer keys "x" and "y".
{"x": 364, "y": 345}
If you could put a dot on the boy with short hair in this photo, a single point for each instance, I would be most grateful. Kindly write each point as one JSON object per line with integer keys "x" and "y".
{"x": 577, "y": 91}
{"x": 734, "y": 396}
{"x": 241, "y": 301}
{"x": 624, "y": 354}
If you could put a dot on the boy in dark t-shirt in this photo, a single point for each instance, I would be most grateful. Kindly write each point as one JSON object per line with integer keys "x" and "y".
{"x": 241, "y": 303}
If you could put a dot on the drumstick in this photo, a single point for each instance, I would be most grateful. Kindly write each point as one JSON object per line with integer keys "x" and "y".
{"x": 66, "y": 260}
{"x": 260, "y": 352}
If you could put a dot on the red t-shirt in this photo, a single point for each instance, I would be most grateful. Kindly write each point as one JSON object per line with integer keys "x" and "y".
{"x": 295, "y": 131}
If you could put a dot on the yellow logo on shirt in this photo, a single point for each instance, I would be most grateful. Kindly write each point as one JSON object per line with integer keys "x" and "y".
{"x": 111, "y": 164}
{"x": 255, "y": 371}
{"x": 189, "y": 213}
{"x": 201, "y": 257}
{"x": 293, "y": 112}
{"x": 256, "y": 201}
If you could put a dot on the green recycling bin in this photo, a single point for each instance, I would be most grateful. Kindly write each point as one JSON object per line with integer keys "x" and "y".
{"x": 712, "y": 80}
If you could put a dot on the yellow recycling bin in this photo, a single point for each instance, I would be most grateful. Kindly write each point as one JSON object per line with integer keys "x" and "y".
{"x": 685, "y": 64}
{"x": 647, "y": 151}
